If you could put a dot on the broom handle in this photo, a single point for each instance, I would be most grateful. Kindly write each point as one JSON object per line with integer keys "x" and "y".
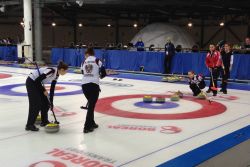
{"x": 52, "y": 111}
{"x": 212, "y": 77}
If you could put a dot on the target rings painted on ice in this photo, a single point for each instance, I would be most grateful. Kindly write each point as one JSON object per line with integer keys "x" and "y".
{"x": 3, "y": 76}
{"x": 199, "y": 109}
{"x": 62, "y": 89}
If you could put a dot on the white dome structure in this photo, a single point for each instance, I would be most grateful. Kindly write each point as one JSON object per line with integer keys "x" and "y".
{"x": 158, "y": 34}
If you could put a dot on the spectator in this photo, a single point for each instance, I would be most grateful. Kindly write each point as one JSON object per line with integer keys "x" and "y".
{"x": 80, "y": 45}
{"x": 220, "y": 46}
{"x": 169, "y": 54}
{"x": 139, "y": 45}
{"x": 107, "y": 45}
{"x": 90, "y": 45}
{"x": 195, "y": 48}
{"x": 6, "y": 41}
{"x": 247, "y": 43}
{"x": 152, "y": 47}
{"x": 10, "y": 41}
{"x": 119, "y": 46}
{"x": 72, "y": 45}
{"x": 130, "y": 46}
{"x": 178, "y": 48}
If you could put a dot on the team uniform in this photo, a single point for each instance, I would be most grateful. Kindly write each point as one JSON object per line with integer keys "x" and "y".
{"x": 213, "y": 62}
{"x": 196, "y": 84}
{"x": 37, "y": 100}
{"x": 90, "y": 87}
{"x": 227, "y": 62}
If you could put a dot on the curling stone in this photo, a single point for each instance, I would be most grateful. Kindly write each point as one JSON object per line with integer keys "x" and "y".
{"x": 164, "y": 79}
{"x": 160, "y": 100}
{"x": 175, "y": 97}
{"x": 31, "y": 66}
{"x": 38, "y": 120}
{"x": 52, "y": 128}
{"x": 78, "y": 71}
{"x": 170, "y": 79}
{"x": 24, "y": 65}
{"x": 201, "y": 95}
{"x": 174, "y": 79}
{"x": 147, "y": 99}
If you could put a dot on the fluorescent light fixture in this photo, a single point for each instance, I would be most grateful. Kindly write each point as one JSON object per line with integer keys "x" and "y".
{"x": 190, "y": 24}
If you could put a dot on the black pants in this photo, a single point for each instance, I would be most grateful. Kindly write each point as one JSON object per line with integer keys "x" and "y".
{"x": 91, "y": 92}
{"x": 215, "y": 73}
{"x": 225, "y": 74}
{"x": 168, "y": 63}
{"x": 196, "y": 89}
{"x": 37, "y": 102}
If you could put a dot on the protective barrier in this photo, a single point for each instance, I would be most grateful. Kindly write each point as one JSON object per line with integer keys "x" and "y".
{"x": 151, "y": 61}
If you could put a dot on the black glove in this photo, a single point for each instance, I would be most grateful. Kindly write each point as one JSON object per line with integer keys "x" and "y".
{"x": 102, "y": 72}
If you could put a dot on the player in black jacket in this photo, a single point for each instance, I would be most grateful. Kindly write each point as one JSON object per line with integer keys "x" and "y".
{"x": 196, "y": 83}
{"x": 227, "y": 64}
{"x": 38, "y": 95}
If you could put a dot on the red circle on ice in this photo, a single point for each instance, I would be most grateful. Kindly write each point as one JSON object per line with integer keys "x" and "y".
{"x": 104, "y": 105}
{"x": 56, "y": 88}
{"x": 2, "y": 76}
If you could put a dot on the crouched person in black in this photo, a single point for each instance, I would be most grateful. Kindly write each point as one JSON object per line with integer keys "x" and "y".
{"x": 196, "y": 83}
{"x": 92, "y": 70}
{"x": 37, "y": 94}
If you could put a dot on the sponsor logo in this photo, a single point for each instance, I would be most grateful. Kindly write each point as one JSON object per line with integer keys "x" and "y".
{"x": 162, "y": 129}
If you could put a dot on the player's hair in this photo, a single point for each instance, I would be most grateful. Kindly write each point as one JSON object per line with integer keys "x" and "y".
{"x": 62, "y": 65}
{"x": 191, "y": 71}
{"x": 229, "y": 44}
{"x": 90, "y": 51}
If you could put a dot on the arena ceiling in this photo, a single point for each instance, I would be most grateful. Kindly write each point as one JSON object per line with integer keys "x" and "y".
{"x": 148, "y": 10}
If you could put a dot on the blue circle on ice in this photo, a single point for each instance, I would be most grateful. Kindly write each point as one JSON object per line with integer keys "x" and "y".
{"x": 166, "y": 105}
{"x": 7, "y": 90}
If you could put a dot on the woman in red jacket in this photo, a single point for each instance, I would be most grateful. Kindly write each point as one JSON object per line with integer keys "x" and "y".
{"x": 213, "y": 63}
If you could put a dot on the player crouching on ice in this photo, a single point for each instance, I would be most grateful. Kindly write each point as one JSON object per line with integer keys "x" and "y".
{"x": 196, "y": 83}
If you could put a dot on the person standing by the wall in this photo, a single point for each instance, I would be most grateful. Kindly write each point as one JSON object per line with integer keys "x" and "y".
{"x": 169, "y": 54}
{"x": 140, "y": 45}
{"x": 227, "y": 64}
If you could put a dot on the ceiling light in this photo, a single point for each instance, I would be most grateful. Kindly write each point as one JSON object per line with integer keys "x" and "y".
{"x": 79, "y": 2}
{"x": 222, "y": 24}
{"x": 2, "y": 9}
